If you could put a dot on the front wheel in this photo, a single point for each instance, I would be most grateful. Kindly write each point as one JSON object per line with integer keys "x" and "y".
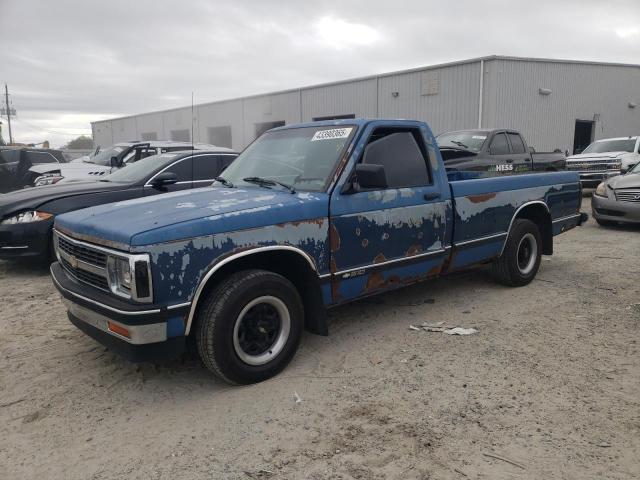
{"x": 249, "y": 326}
{"x": 520, "y": 260}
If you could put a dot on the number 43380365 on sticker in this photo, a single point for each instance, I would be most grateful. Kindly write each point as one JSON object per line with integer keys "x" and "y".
{"x": 331, "y": 134}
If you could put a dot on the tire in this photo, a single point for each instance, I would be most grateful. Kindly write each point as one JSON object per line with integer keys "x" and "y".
{"x": 605, "y": 223}
{"x": 520, "y": 260}
{"x": 228, "y": 339}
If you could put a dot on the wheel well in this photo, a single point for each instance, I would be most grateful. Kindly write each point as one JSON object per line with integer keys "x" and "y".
{"x": 295, "y": 268}
{"x": 539, "y": 215}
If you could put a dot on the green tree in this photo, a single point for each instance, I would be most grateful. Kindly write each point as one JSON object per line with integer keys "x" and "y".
{"x": 81, "y": 143}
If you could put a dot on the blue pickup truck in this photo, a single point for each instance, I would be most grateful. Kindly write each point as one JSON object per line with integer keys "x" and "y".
{"x": 308, "y": 217}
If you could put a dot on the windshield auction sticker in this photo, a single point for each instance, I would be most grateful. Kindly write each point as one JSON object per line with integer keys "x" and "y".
{"x": 331, "y": 134}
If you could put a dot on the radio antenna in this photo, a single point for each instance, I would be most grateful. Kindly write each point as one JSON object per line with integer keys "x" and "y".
{"x": 192, "y": 121}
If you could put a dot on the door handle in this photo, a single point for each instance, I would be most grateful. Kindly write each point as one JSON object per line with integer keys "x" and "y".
{"x": 431, "y": 196}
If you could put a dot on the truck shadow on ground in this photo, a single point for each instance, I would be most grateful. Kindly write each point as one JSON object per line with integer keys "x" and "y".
{"x": 316, "y": 357}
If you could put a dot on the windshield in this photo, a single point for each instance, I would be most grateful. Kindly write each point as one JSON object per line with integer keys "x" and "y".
{"x": 604, "y": 146}
{"x": 104, "y": 157}
{"x": 140, "y": 170}
{"x": 301, "y": 157}
{"x": 635, "y": 169}
{"x": 471, "y": 141}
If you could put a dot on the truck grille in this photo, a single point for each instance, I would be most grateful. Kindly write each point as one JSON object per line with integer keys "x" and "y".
{"x": 592, "y": 166}
{"x": 83, "y": 253}
{"x": 87, "y": 277}
{"x": 628, "y": 195}
{"x": 86, "y": 264}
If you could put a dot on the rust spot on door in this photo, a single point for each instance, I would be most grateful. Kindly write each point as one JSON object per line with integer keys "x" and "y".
{"x": 379, "y": 258}
{"x": 334, "y": 238}
{"x": 413, "y": 250}
{"x": 484, "y": 197}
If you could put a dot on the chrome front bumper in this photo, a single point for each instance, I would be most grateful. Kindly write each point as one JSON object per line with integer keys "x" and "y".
{"x": 138, "y": 334}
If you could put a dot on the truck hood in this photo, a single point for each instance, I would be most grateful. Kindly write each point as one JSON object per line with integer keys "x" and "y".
{"x": 630, "y": 180}
{"x": 597, "y": 156}
{"x": 72, "y": 171}
{"x": 37, "y": 197}
{"x": 191, "y": 213}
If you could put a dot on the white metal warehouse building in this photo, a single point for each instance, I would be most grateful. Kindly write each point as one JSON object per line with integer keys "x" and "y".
{"x": 556, "y": 104}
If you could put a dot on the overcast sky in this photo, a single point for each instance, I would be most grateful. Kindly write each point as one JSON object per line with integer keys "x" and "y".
{"x": 70, "y": 62}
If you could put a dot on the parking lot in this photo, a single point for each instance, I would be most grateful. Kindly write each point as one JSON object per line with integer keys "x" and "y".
{"x": 549, "y": 387}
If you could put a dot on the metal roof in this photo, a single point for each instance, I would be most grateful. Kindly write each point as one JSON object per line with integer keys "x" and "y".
{"x": 383, "y": 75}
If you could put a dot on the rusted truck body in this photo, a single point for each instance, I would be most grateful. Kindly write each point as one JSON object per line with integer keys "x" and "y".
{"x": 310, "y": 216}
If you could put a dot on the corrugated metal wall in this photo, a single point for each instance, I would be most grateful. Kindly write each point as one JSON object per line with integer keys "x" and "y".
{"x": 578, "y": 92}
{"x": 446, "y": 97}
{"x": 358, "y": 98}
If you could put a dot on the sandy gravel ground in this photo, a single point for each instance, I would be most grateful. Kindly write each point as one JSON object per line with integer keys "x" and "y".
{"x": 549, "y": 387}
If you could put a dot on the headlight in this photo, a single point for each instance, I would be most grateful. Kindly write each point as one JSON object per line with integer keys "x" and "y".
{"x": 601, "y": 191}
{"x": 130, "y": 277}
{"x": 47, "y": 180}
{"x": 119, "y": 272}
{"x": 27, "y": 217}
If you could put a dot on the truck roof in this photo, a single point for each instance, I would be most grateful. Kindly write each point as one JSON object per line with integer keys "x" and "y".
{"x": 358, "y": 122}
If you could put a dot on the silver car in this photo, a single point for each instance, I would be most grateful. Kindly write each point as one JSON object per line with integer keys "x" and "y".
{"x": 617, "y": 200}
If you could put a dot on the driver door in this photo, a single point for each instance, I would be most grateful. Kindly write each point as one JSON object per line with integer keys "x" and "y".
{"x": 385, "y": 238}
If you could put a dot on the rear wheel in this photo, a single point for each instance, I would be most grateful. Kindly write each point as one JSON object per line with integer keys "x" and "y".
{"x": 249, "y": 326}
{"x": 520, "y": 260}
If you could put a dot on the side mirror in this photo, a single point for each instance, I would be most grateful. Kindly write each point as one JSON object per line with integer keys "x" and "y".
{"x": 624, "y": 170}
{"x": 164, "y": 178}
{"x": 114, "y": 162}
{"x": 371, "y": 176}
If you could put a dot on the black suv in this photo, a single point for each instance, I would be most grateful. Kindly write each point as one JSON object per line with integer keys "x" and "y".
{"x": 15, "y": 163}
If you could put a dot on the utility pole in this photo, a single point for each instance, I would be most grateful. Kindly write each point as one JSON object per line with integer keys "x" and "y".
{"x": 6, "y": 99}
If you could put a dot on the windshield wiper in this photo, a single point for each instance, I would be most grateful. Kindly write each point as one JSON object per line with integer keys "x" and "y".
{"x": 265, "y": 182}
{"x": 224, "y": 181}
{"x": 460, "y": 144}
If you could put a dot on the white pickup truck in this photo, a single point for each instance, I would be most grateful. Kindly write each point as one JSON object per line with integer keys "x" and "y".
{"x": 604, "y": 158}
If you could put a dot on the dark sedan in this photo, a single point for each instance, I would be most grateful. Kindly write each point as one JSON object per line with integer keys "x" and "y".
{"x": 617, "y": 200}
{"x": 26, "y": 216}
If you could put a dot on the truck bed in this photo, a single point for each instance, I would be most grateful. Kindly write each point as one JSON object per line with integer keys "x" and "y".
{"x": 485, "y": 207}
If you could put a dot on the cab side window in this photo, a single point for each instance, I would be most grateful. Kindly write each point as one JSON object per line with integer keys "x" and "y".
{"x": 516, "y": 143}
{"x": 499, "y": 145}
{"x": 402, "y": 154}
{"x": 225, "y": 161}
{"x": 205, "y": 167}
{"x": 183, "y": 169}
